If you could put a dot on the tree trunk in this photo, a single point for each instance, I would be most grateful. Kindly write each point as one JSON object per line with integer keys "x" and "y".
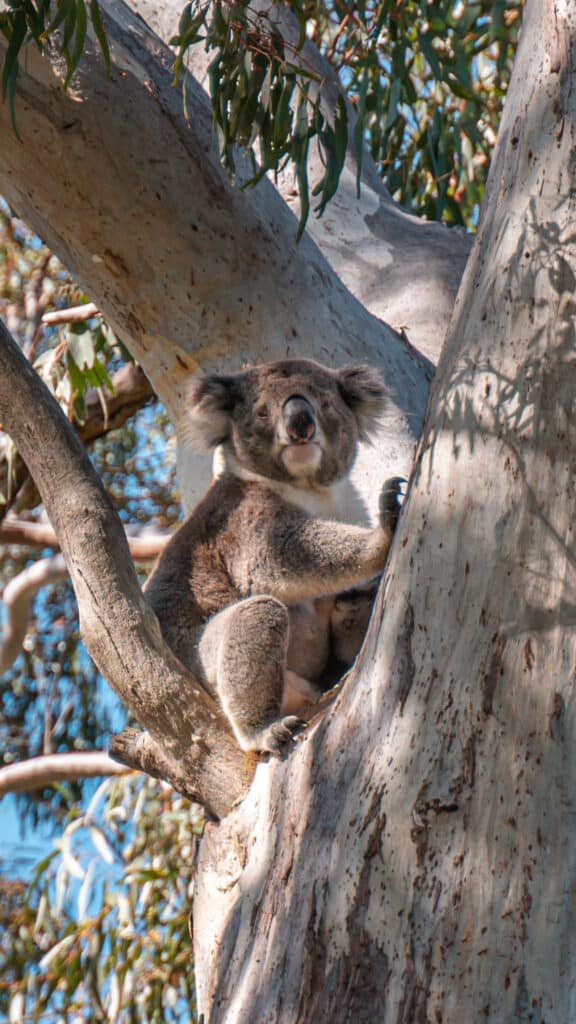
{"x": 413, "y": 861}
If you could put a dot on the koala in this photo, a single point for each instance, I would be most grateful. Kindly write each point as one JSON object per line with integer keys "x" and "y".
{"x": 244, "y": 591}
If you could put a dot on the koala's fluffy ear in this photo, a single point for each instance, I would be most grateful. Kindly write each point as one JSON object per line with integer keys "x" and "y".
{"x": 212, "y": 400}
{"x": 363, "y": 389}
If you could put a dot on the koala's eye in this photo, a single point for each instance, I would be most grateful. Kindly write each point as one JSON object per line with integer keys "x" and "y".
{"x": 262, "y": 413}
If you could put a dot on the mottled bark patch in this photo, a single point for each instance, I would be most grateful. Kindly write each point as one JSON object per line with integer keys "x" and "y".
{"x": 413, "y": 1005}
{"x": 557, "y": 709}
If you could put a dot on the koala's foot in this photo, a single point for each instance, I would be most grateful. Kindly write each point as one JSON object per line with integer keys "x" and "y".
{"x": 391, "y": 502}
{"x": 276, "y": 738}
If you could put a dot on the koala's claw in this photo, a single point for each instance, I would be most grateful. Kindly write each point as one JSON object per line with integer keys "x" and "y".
{"x": 391, "y": 498}
{"x": 277, "y": 739}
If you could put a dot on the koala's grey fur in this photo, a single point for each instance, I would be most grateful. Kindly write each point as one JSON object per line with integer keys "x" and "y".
{"x": 243, "y": 589}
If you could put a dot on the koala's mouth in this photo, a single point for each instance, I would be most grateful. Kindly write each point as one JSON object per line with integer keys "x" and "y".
{"x": 302, "y": 459}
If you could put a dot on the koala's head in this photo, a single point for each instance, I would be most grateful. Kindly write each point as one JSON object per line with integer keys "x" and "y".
{"x": 292, "y": 420}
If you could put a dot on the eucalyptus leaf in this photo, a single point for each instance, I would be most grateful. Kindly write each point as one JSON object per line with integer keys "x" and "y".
{"x": 81, "y": 347}
{"x": 96, "y": 18}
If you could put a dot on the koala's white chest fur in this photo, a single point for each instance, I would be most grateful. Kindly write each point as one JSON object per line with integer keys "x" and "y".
{"x": 340, "y": 502}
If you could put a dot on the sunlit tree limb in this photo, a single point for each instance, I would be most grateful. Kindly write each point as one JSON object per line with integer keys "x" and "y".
{"x": 39, "y": 772}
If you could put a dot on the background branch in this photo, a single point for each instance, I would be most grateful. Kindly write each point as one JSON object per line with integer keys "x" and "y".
{"x": 144, "y": 545}
{"x": 21, "y": 590}
{"x": 17, "y": 599}
{"x": 73, "y": 314}
{"x": 38, "y": 772}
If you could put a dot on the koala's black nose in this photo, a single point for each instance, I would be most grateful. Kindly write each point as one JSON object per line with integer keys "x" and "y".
{"x": 299, "y": 419}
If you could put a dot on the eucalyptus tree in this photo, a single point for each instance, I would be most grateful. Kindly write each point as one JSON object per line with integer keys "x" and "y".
{"x": 411, "y": 858}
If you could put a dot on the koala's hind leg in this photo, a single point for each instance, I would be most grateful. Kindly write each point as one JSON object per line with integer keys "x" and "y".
{"x": 243, "y": 655}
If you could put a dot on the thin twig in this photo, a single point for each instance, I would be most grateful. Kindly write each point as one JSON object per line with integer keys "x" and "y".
{"x": 71, "y": 315}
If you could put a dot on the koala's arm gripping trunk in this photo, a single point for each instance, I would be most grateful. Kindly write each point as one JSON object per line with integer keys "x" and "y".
{"x": 307, "y": 558}
{"x": 316, "y": 557}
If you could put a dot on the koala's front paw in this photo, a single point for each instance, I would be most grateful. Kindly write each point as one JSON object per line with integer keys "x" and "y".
{"x": 275, "y": 739}
{"x": 391, "y": 502}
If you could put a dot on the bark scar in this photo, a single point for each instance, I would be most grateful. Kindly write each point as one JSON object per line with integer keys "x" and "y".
{"x": 403, "y": 662}
{"x": 491, "y": 677}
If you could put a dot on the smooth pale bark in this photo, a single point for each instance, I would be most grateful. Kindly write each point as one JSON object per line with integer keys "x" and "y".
{"x": 189, "y": 270}
{"x": 414, "y": 860}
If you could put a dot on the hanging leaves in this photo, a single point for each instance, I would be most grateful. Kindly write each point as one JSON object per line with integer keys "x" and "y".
{"x": 102, "y": 932}
{"x": 427, "y": 78}
{"x": 25, "y": 20}
{"x": 266, "y": 101}
{"x": 79, "y": 362}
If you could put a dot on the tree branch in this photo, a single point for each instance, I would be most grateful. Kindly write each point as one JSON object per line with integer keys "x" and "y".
{"x": 33, "y": 535}
{"x": 38, "y": 772}
{"x": 21, "y": 590}
{"x": 118, "y": 628}
{"x": 403, "y": 269}
{"x": 74, "y": 314}
{"x": 224, "y": 283}
{"x": 139, "y": 751}
{"x": 17, "y": 599}
{"x": 144, "y": 546}
{"x": 132, "y": 390}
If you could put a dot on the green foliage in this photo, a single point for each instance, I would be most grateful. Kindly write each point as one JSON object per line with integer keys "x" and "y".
{"x": 102, "y": 933}
{"x": 79, "y": 361}
{"x": 72, "y": 358}
{"x": 426, "y": 77}
{"x": 264, "y": 96}
{"x": 37, "y": 20}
